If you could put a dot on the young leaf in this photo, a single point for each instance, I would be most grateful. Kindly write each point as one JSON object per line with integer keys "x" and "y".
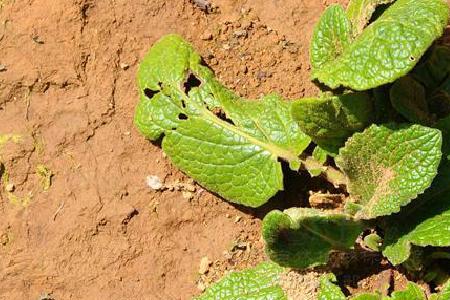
{"x": 360, "y": 11}
{"x": 330, "y": 120}
{"x": 388, "y": 48}
{"x": 228, "y": 144}
{"x": 260, "y": 282}
{"x": 303, "y": 237}
{"x": 428, "y": 222}
{"x": 409, "y": 98}
{"x": 388, "y": 166}
{"x": 331, "y": 36}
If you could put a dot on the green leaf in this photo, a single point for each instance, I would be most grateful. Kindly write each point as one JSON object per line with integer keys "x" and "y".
{"x": 329, "y": 290}
{"x": 388, "y": 48}
{"x": 260, "y": 282}
{"x": 330, "y": 120}
{"x": 227, "y": 144}
{"x": 428, "y": 222}
{"x": 303, "y": 237}
{"x": 388, "y": 166}
{"x": 412, "y": 292}
{"x": 435, "y": 69}
{"x": 331, "y": 36}
{"x": 368, "y": 297}
{"x": 409, "y": 98}
{"x": 360, "y": 11}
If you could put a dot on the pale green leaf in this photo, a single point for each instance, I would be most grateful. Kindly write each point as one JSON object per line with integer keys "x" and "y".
{"x": 388, "y": 166}
{"x": 330, "y": 120}
{"x": 227, "y": 144}
{"x": 259, "y": 283}
{"x": 303, "y": 237}
{"x": 388, "y": 48}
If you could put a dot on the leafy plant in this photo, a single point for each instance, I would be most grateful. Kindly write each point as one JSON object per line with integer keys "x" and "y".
{"x": 383, "y": 118}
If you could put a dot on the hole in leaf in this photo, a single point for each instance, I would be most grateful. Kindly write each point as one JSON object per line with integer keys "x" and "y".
{"x": 183, "y": 104}
{"x": 149, "y": 93}
{"x": 182, "y": 116}
{"x": 191, "y": 82}
{"x": 220, "y": 113}
{"x": 412, "y": 58}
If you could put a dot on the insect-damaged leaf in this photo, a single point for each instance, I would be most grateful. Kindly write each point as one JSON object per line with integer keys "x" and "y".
{"x": 387, "y": 49}
{"x": 260, "y": 282}
{"x": 427, "y": 222}
{"x": 303, "y": 237}
{"x": 331, "y": 119}
{"x": 388, "y": 166}
{"x": 228, "y": 144}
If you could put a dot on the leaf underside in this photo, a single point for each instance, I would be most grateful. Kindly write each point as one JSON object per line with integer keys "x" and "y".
{"x": 388, "y": 166}
{"x": 303, "y": 237}
{"x": 386, "y": 50}
{"x": 259, "y": 283}
{"x": 227, "y": 144}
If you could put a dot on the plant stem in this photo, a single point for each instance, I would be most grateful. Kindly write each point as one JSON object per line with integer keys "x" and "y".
{"x": 332, "y": 175}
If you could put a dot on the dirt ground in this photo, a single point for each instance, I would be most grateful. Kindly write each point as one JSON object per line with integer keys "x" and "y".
{"x": 67, "y": 87}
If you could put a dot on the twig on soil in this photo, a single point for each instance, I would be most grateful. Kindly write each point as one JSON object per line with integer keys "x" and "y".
{"x": 58, "y": 210}
{"x": 28, "y": 100}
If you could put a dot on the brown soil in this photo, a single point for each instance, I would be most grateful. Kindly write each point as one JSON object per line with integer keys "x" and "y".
{"x": 67, "y": 86}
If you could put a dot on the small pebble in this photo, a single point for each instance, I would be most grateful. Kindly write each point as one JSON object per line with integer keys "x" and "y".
{"x": 154, "y": 182}
{"x": 206, "y": 36}
{"x": 124, "y": 66}
{"x": 242, "y": 33}
{"x": 2, "y": 68}
{"x": 237, "y": 219}
{"x": 201, "y": 286}
{"x": 204, "y": 265}
{"x": 10, "y": 187}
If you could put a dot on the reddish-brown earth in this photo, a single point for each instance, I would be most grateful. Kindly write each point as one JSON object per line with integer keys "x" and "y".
{"x": 67, "y": 86}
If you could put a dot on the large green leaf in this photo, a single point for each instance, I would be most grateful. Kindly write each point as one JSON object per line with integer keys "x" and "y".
{"x": 388, "y": 166}
{"x": 330, "y": 120}
{"x": 259, "y": 283}
{"x": 228, "y": 144}
{"x": 387, "y": 49}
{"x": 428, "y": 222}
{"x": 303, "y": 237}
